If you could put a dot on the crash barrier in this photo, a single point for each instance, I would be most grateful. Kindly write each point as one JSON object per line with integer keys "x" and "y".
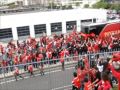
{"x": 56, "y": 77}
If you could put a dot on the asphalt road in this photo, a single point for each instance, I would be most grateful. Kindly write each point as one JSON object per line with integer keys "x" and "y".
{"x": 55, "y": 80}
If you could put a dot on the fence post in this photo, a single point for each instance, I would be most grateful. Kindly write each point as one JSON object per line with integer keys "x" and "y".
{"x": 49, "y": 78}
{"x": 4, "y": 67}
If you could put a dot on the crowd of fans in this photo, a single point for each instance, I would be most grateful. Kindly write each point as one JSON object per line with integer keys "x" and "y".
{"x": 99, "y": 76}
{"x": 53, "y": 47}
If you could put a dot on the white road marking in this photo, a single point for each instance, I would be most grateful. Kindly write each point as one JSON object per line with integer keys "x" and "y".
{"x": 35, "y": 75}
{"x": 62, "y": 87}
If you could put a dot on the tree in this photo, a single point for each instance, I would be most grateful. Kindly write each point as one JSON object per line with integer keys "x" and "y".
{"x": 69, "y": 7}
{"x": 101, "y": 4}
{"x": 11, "y": 5}
{"x": 77, "y": 3}
{"x": 86, "y": 6}
{"x": 115, "y": 7}
{"x": 52, "y": 5}
{"x": 106, "y": 5}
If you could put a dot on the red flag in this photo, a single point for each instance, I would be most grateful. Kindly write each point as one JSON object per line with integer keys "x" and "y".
{"x": 84, "y": 35}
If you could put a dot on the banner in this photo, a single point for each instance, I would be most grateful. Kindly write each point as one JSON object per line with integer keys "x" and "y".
{"x": 110, "y": 29}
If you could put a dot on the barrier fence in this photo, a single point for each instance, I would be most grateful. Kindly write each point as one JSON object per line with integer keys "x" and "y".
{"x": 55, "y": 77}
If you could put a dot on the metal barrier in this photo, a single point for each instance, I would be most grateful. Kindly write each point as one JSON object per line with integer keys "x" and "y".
{"x": 54, "y": 79}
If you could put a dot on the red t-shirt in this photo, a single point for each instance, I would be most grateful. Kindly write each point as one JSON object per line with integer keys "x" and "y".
{"x": 23, "y": 57}
{"x": 86, "y": 62}
{"x": 90, "y": 49}
{"x": 4, "y": 63}
{"x": 16, "y": 70}
{"x": 86, "y": 86}
{"x": 30, "y": 68}
{"x": 16, "y": 60}
{"x": 76, "y": 82}
{"x": 29, "y": 58}
{"x": 104, "y": 85}
{"x": 96, "y": 48}
{"x": 62, "y": 55}
{"x": 40, "y": 56}
{"x": 79, "y": 73}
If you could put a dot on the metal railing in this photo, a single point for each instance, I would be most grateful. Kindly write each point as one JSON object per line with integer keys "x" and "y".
{"x": 55, "y": 77}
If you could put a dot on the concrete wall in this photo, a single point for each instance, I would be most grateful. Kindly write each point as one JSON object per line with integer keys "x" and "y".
{"x": 32, "y": 18}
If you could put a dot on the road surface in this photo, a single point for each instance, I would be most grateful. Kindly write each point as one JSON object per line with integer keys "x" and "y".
{"x": 55, "y": 80}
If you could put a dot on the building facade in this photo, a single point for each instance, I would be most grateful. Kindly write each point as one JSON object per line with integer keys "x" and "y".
{"x": 34, "y": 23}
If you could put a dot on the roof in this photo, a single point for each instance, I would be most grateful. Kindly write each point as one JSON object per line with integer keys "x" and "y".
{"x": 101, "y": 23}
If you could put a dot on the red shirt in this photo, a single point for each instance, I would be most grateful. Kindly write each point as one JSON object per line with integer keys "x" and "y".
{"x": 29, "y": 57}
{"x": 16, "y": 70}
{"x": 96, "y": 48}
{"x": 40, "y": 56}
{"x": 79, "y": 73}
{"x": 62, "y": 55}
{"x": 16, "y": 60}
{"x": 104, "y": 85}
{"x": 83, "y": 74}
{"x": 30, "y": 68}
{"x": 49, "y": 55}
{"x": 86, "y": 86}
{"x": 76, "y": 82}
{"x": 23, "y": 57}
{"x": 92, "y": 73}
{"x": 90, "y": 49}
{"x": 86, "y": 62}
{"x": 4, "y": 63}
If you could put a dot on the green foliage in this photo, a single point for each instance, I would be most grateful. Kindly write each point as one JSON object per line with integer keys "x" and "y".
{"x": 102, "y": 4}
{"x": 11, "y": 5}
{"x": 52, "y": 5}
{"x": 55, "y": 6}
{"x": 77, "y": 3}
{"x": 105, "y": 5}
{"x": 115, "y": 7}
{"x": 67, "y": 7}
{"x": 86, "y": 6}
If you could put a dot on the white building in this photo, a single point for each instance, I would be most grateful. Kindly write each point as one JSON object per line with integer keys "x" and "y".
{"x": 9, "y": 1}
{"x": 34, "y": 23}
{"x": 46, "y": 2}
{"x": 82, "y": 2}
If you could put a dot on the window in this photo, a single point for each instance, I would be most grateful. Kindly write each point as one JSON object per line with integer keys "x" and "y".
{"x": 94, "y": 20}
{"x": 6, "y": 33}
{"x": 55, "y": 27}
{"x": 40, "y": 28}
{"x": 70, "y": 25}
{"x": 23, "y": 31}
{"x": 86, "y": 21}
